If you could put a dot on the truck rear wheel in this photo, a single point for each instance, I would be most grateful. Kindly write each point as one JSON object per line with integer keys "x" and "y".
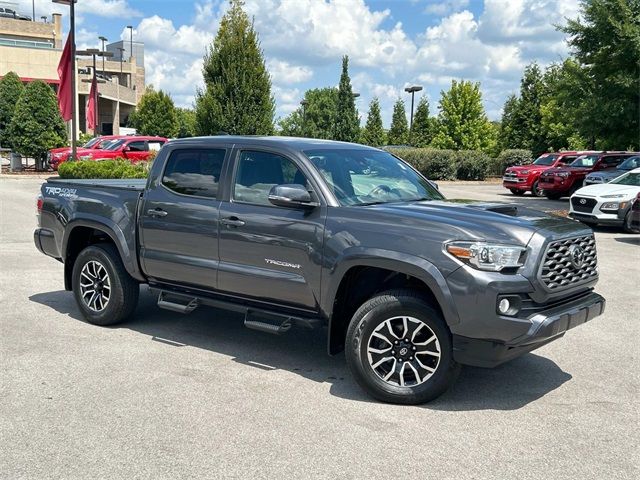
{"x": 104, "y": 291}
{"x": 399, "y": 349}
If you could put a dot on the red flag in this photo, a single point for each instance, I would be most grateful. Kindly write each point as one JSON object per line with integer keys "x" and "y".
{"x": 92, "y": 105}
{"x": 64, "y": 89}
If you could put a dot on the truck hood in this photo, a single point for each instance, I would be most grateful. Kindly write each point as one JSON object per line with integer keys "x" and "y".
{"x": 497, "y": 222}
{"x": 528, "y": 168}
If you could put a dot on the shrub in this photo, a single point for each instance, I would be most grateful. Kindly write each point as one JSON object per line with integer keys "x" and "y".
{"x": 508, "y": 158}
{"x": 106, "y": 169}
{"x": 472, "y": 165}
{"x": 432, "y": 163}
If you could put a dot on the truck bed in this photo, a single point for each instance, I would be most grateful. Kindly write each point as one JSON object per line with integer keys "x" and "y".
{"x": 137, "y": 184}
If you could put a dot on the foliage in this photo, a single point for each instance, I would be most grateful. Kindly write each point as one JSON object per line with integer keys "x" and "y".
{"x": 509, "y": 134}
{"x": 186, "y": 122}
{"x": 373, "y": 133}
{"x": 508, "y": 158}
{"x": 10, "y": 90}
{"x": 83, "y": 138}
{"x": 155, "y": 114}
{"x": 347, "y": 123}
{"x": 399, "y": 131}
{"x": 118, "y": 168}
{"x": 36, "y": 126}
{"x": 462, "y": 122}
{"x": 526, "y": 122}
{"x": 423, "y": 125}
{"x": 605, "y": 41}
{"x": 437, "y": 164}
{"x": 316, "y": 119}
{"x": 237, "y": 95}
{"x": 472, "y": 165}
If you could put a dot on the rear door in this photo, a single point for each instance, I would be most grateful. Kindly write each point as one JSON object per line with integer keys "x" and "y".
{"x": 179, "y": 218}
{"x": 136, "y": 150}
{"x": 268, "y": 252}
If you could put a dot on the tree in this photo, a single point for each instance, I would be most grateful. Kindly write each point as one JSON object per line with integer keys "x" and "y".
{"x": 347, "y": 123}
{"x": 186, "y": 122}
{"x": 399, "y": 131}
{"x": 155, "y": 114}
{"x": 423, "y": 125}
{"x": 10, "y": 90}
{"x": 316, "y": 119}
{"x": 462, "y": 122}
{"x": 36, "y": 126}
{"x": 605, "y": 41}
{"x": 237, "y": 95}
{"x": 509, "y": 133}
{"x": 527, "y": 116}
{"x": 373, "y": 133}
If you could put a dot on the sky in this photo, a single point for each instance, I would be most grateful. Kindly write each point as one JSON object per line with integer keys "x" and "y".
{"x": 391, "y": 43}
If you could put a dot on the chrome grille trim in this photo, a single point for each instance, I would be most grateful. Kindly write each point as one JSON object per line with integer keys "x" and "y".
{"x": 557, "y": 272}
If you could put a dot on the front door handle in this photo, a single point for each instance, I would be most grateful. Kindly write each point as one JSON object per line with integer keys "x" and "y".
{"x": 232, "y": 222}
{"x": 158, "y": 212}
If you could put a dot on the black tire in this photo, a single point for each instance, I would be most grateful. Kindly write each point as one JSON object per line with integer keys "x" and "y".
{"x": 516, "y": 192}
{"x": 535, "y": 191}
{"x": 553, "y": 196}
{"x": 626, "y": 225}
{"x": 123, "y": 289}
{"x": 371, "y": 315}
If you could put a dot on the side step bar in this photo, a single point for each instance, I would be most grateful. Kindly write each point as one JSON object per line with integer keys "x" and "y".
{"x": 175, "y": 303}
{"x": 264, "y": 322}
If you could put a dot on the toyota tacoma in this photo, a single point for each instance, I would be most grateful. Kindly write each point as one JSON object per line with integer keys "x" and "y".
{"x": 299, "y": 233}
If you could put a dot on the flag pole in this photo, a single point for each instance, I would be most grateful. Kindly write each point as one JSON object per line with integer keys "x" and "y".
{"x": 74, "y": 100}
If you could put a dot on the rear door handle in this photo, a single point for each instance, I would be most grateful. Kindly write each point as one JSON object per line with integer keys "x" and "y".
{"x": 158, "y": 212}
{"x": 232, "y": 222}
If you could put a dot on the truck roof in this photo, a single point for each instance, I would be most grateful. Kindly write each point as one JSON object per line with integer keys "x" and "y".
{"x": 295, "y": 143}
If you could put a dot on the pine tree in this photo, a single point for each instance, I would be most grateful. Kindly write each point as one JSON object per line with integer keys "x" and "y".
{"x": 155, "y": 114}
{"x": 399, "y": 131}
{"x": 462, "y": 122}
{"x": 347, "y": 123}
{"x": 237, "y": 95}
{"x": 423, "y": 125}
{"x": 10, "y": 90}
{"x": 509, "y": 135}
{"x": 36, "y": 126}
{"x": 373, "y": 133}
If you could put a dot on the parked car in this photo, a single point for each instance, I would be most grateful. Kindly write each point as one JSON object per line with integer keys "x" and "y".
{"x": 608, "y": 203}
{"x": 316, "y": 233}
{"x": 633, "y": 216}
{"x": 606, "y": 176}
{"x": 134, "y": 148}
{"x": 524, "y": 178}
{"x": 56, "y": 156}
{"x": 10, "y": 13}
{"x": 563, "y": 181}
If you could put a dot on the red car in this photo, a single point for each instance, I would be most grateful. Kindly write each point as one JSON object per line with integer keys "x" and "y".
{"x": 134, "y": 148}
{"x": 563, "y": 181}
{"x": 58, "y": 155}
{"x": 523, "y": 178}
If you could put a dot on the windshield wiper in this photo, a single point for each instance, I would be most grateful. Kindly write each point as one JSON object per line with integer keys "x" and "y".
{"x": 366, "y": 204}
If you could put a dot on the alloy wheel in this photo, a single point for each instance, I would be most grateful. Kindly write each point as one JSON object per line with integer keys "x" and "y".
{"x": 95, "y": 286}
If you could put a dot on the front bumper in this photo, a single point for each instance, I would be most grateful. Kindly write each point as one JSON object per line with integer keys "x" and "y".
{"x": 609, "y": 220}
{"x": 545, "y": 326}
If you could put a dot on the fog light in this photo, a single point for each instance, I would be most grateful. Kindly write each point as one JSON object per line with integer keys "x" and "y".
{"x": 504, "y": 306}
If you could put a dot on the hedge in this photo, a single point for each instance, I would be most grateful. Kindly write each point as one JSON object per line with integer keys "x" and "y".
{"x": 508, "y": 158}
{"x": 105, "y": 169}
{"x": 447, "y": 164}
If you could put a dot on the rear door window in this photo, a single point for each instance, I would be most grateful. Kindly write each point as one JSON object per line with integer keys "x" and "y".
{"x": 140, "y": 146}
{"x": 194, "y": 171}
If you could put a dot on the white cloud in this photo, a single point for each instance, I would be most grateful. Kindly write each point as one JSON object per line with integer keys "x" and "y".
{"x": 283, "y": 72}
{"x": 101, "y": 8}
{"x": 442, "y": 8}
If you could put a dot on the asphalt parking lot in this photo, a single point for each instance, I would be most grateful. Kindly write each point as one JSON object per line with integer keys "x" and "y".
{"x": 167, "y": 396}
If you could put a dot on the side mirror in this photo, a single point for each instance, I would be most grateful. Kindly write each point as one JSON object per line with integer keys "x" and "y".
{"x": 292, "y": 196}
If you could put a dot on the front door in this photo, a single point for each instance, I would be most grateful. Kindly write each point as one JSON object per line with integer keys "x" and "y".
{"x": 136, "y": 150}
{"x": 179, "y": 218}
{"x": 268, "y": 252}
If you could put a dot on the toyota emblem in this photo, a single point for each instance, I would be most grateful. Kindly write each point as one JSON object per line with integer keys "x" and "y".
{"x": 576, "y": 256}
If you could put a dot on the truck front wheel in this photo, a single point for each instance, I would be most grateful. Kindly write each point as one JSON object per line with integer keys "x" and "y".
{"x": 104, "y": 291}
{"x": 399, "y": 349}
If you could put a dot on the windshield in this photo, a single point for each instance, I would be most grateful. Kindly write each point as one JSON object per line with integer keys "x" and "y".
{"x": 91, "y": 142}
{"x": 546, "y": 160}
{"x": 585, "y": 161}
{"x": 629, "y": 164}
{"x": 113, "y": 145}
{"x": 366, "y": 177}
{"x": 631, "y": 178}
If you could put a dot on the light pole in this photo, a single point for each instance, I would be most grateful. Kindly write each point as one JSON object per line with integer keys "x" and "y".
{"x": 130, "y": 27}
{"x": 94, "y": 52}
{"x": 102, "y": 39}
{"x": 72, "y": 41}
{"x": 33, "y": 9}
{"x": 121, "y": 50}
{"x": 412, "y": 90}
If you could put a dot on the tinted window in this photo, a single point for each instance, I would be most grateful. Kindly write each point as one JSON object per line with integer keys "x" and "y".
{"x": 545, "y": 160}
{"x": 612, "y": 161}
{"x": 137, "y": 146}
{"x": 194, "y": 171}
{"x": 630, "y": 178}
{"x": 259, "y": 172}
{"x": 630, "y": 163}
{"x": 585, "y": 161}
{"x": 568, "y": 159}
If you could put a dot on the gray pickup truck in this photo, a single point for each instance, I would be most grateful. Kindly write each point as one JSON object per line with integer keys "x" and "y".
{"x": 310, "y": 233}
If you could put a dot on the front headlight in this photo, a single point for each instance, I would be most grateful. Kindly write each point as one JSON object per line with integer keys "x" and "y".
{"x": 613, "y": 206}
{"x": 487, "y": 256}
{"x": 524, "y": 172}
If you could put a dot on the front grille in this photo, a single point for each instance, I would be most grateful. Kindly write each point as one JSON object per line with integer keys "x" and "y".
{"x": 581, "y": 204}
{"x": 560, "y": 269}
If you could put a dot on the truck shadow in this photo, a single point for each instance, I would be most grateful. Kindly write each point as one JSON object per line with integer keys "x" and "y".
{"x": 303, "y": 352}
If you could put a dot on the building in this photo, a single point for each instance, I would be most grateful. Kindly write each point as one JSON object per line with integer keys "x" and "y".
{"x": 33, "y": 49}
